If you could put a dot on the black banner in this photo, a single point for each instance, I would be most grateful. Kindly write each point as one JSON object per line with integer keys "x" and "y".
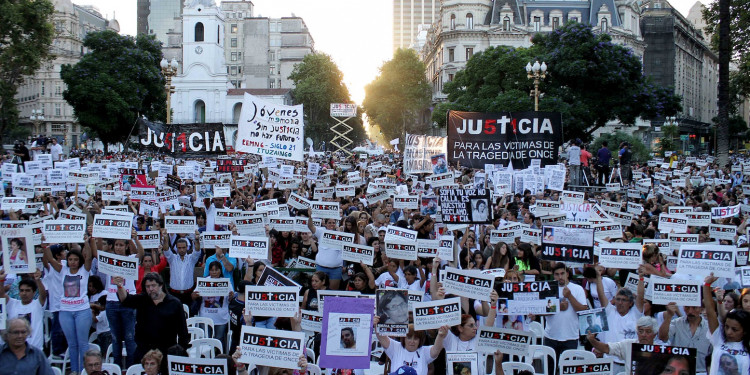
{"x": 663, "y": 359}
{"x": 476, "y": 139}
{"x": 465, "y": 206}
{"x": 230, "y": 165}
{"x": 542, "y": 289}
{"x": 174, "y": 182}
{"x": 182, "y": 140}
{"x": 574, "y": 245}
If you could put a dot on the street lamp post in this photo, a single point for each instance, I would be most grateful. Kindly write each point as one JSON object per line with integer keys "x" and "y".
{"x": 169, "y": 69}
{"x": 37, "y": 116}
{"x": 537, "y": 73}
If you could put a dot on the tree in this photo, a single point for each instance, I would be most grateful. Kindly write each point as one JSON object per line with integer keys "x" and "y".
{"x": 668, "y": 141}
{"x": 114, "y": 84}
{"x": 26, "y": 32}
{"x": 397, "y": 97}
{"x": 639, "y": 150}
{"x": 318, "y": 82}
{"x": 590, "y": 81}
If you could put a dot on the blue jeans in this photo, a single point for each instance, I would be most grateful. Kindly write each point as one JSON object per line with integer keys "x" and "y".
{"x": 76, "y": 326}
{"x": 333, "y": 273}
{"x": 58, "y": 344}
{"x": 268, "y": 323}
{"x": 220, "y": 333}
{"x": 122, "y": 325}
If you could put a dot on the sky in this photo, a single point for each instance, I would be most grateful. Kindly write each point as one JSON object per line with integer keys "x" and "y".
{"x": 357, "y": 34}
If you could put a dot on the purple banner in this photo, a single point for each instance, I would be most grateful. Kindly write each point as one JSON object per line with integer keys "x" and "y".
{"x": 346, "y": 333}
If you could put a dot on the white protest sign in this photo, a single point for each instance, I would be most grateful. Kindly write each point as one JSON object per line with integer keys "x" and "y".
{"x": 677, "y": 240}
{"x": 117, "y": 265}
{"x": 397, "y": 250}
{"x": 336, "y": 239}
{"x": 406, "y": 202}
{"x": 467, "y": 283}
{"x": 312, "y": 321}
{"x": 672, "y": 223}
{"x": 271, "y": 347}
{"x": 210, "y": 240}
{"x": 508, "y": 341}
{"x": 149, "y": 239}
{"x": 241, "y": 247}
{"x": 427, "y": 248}
{"x": 298, "y": 202}
{"x": 445, "y": 247}
{"x": 620, "y": 255}
{"x": 325, "y": 210}
{"x": 345, "y": 191}
{"x": 682, "y": 292}
{"x": 703, "y": 259}
{"x": 191, "y": 366}
{"x": 213, "y": 287}
{"x": 722, "y": 212}
{"x": 18, "y": 250}
{"x": 63, "y": 231}
{"x": 722, "y": 232}
{"x": 599, "y": 366}
{"x": 180, "y": 224}
{"x": 358, "y": 253}
{"x": 398, "y": 234}
{"x": 250, "y": 225}
{"x": 698, "y": 219}
{"x": 435, "y": 314}
{"x": 13, "y": 203}
{"x": 112, "y": 226}
{"x": 270, "y": 129}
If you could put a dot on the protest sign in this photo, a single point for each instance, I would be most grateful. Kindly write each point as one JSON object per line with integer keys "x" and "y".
{"x": 409, "y": 202}
{"x": 210, "y": 240}
{"x": 631, "y": 283}
{"x": 321, "y": 192}
{"x": 149, "y": 239}
{"x": 599, "y": 366}
{"x": 655, "y": 359}
{"x": 682, "y": 292}
{"x": 336, "y": 239}
{"x": 592, "y": 321}
{"x": 575, "y": 197}
{"x": 213, "y": 287}
{"x": 476, "y": 139}
{"x": 298, "y": 202}
{"x": 241, "y": 247}
{"x": 393, "y": 309}
{"x": 281, "y": 224}
{"x": 3, "y": 313}
{"x": 439, "y": 180}
{"x": 270, "y": 129}
{"x": 531, "y": 297}
{"x": 744, "y": 276}
{"x": 621, "y": 255}
{"x": 358, "y": 253}
{"x": 18, "y": 250}
{"x": 428, "y": 248}
{"x": 191, "y": 366}
{"x": 579, "y": 212}
{"x": 722, "y": 212}
{"x": 180, "y": 224}
{"x": 445, "y": 247}
{"x": 677, "y": 240}
{"x": 250, "y": 225}
{"x": 271, "y": 277}
{"x": 323, "y": 294}
{"x": 463, "y": 363}
{"x": 63, "y": 231}
{"x": 182, "y": 140}
{"x": 267, "y": 205}
{"x": 271, "y": 347}
{"x": 544, "y": 208}
{"x": 533, "y": 236}
{"x": 467, "y": 283}
{"x": 112, "y": 226}
{"x": 13, "y": 203}
{"x": 346, "y": 333}
{"x": 117, "y": 265}
{"x": 574, "y": 245}
{"x": 704, "y": 259}
{"x": 325, "y": 210}
{"x": 343, "y": 191}
{"x": 509, "y": 341}
{"x": 722, "y": 232}
{"x": 377, "y": 196}
{"x": 230, "y": 165}
{"x": 418, "y": 153}
{"x": 672, "y": 223}
{"x": 396, "y": 250}
{"x": 398, "y": 234}
{"x": 435, "y": 314}
{"x": 465, "y": 206}
{"x": 698, "y": 219}
{"x": 282, "y": 301}
{"x": 312, "y": 321}
{"x": 662, "y": 244}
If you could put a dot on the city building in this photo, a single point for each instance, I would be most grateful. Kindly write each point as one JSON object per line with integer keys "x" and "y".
{"x": 409, "y": 17}
{"x": 157, "y": 17}
{"x": 40, "y": 100}
{"x": 677, "y": 55}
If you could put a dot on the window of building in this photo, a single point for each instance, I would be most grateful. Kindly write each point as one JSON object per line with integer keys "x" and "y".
{"x": 272, "y": 84}
{"x": 574, "y": 19}
{"x": 239, "y": 55}
{"x": 603, "y": 24}
{"x": 537, "y": 23}
{"x": 450, "y": 77}
{"x": 451, "y": 54}
{"x": 58, "y": 89}
{"x": 555, "y": 23}
{"x": 506, "y": 23}
{"x": 233, "y": 42}
{"x": 453, "y": 21}
{"x": 470, "y": 21}
{"x": 58, "y": 128}
{"x": 272, "y": 56}
{"x": 233, "y": 70}
{"x": 42, "y": 88}
{"x": 239, "y": 70}
{"x": 199, "y": 113}
{"x": 234, "y": 56}
{"x": 469, "y": 52}
{"x": 58, "y": 109}
{"x": 198, "y": 32}
{"x": 272, "y": 70}
{"x": 234, "y": 28}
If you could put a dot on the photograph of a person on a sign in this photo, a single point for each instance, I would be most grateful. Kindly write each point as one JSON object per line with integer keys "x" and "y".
{"x": 479, "y": 210}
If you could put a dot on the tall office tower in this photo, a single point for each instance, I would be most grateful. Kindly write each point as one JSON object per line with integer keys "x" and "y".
{"x": 159, "y": 17}
{"x": 408, "y": 15}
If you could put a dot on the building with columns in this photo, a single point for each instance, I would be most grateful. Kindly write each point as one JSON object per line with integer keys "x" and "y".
{"x": 43, "y": 90}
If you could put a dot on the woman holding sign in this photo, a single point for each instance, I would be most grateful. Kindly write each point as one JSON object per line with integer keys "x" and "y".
{"x": 410, "y": 351}
{"x": 75, "y": 312}
{"x": 215, "y": 307}
{"x": 731, "y": 343}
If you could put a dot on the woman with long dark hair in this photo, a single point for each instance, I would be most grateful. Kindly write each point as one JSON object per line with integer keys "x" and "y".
{"x": 526, "y": 261}
{"x": 732, "y": 342}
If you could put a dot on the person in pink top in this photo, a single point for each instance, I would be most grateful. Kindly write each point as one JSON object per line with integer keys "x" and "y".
{"x": 585, "y": 158}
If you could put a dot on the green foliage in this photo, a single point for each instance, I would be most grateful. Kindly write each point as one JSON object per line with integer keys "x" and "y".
{"x": 318, "y": 82}
{"x": 590, "y": 81}
{"x": 115, "y": 83}
{"x": 670, "y": 141}
{"x": 641, "y": 153}
{"x": 397, "y": 96}
{"x": 26, "y": 32}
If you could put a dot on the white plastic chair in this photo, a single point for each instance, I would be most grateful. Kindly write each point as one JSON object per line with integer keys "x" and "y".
{"x": 135, "y": 370}
{"x": 313, "y": 369}
{"x": 575, "y": 354}
{"x": 62, "y": 362}
{"x": 196, "y": 333}
{"x": 510, "y": 368}
{"x": 203, "y": 323}
{"x": 544, "y": 353}
{"x": 186, "y": 310}
{"x": 538, "y": 330}
{"x": 311, "y": 358}
{"x": 204, "y": 348}
{"x": 56, "y": 371}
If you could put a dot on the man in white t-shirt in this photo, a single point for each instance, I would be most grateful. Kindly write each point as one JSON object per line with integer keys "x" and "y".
{"x": 562, "y": 327}
{"x": 622, "y": 314}
{"x": 646, "y": 332}
{"x": 329, "y": 259}
{"x": 56, "y": 150}
{"x": 610, "y": 287}
{"x": 27, "y": 307}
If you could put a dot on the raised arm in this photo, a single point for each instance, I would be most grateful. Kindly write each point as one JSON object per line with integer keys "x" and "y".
{"x": 438, "y": 346}
{"x": 40, "y": 287}
{"x": 664, "y": 328}
{"x": 709, "y": 304}
{"x": 51, "y": 259}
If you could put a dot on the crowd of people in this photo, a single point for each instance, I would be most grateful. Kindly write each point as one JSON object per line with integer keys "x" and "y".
{"x": 146, "y": 319}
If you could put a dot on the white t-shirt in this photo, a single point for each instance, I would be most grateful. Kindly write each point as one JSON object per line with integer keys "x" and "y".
{"x": 610, "y": 289}
{"x": 727, "y": 357}
{"x": 385, "y": 280}
{"x": 216, "y": 308}
{"x": 74, "y": 286}
{"x": 34, "y": 313}
{"x": 418, "y": 359}
{"x": 52, "y": 281}
{"x": 55, "y": 150}
{"x": 327, "y": 256}
{"x": 452, "y": 343}
{"x": 563, "y": 325}
{"x": 111, "y": 288}
{"x": 620, "y": 327}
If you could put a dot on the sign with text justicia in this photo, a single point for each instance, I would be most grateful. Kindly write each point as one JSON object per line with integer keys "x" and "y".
{"x": 476, "y": 139}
